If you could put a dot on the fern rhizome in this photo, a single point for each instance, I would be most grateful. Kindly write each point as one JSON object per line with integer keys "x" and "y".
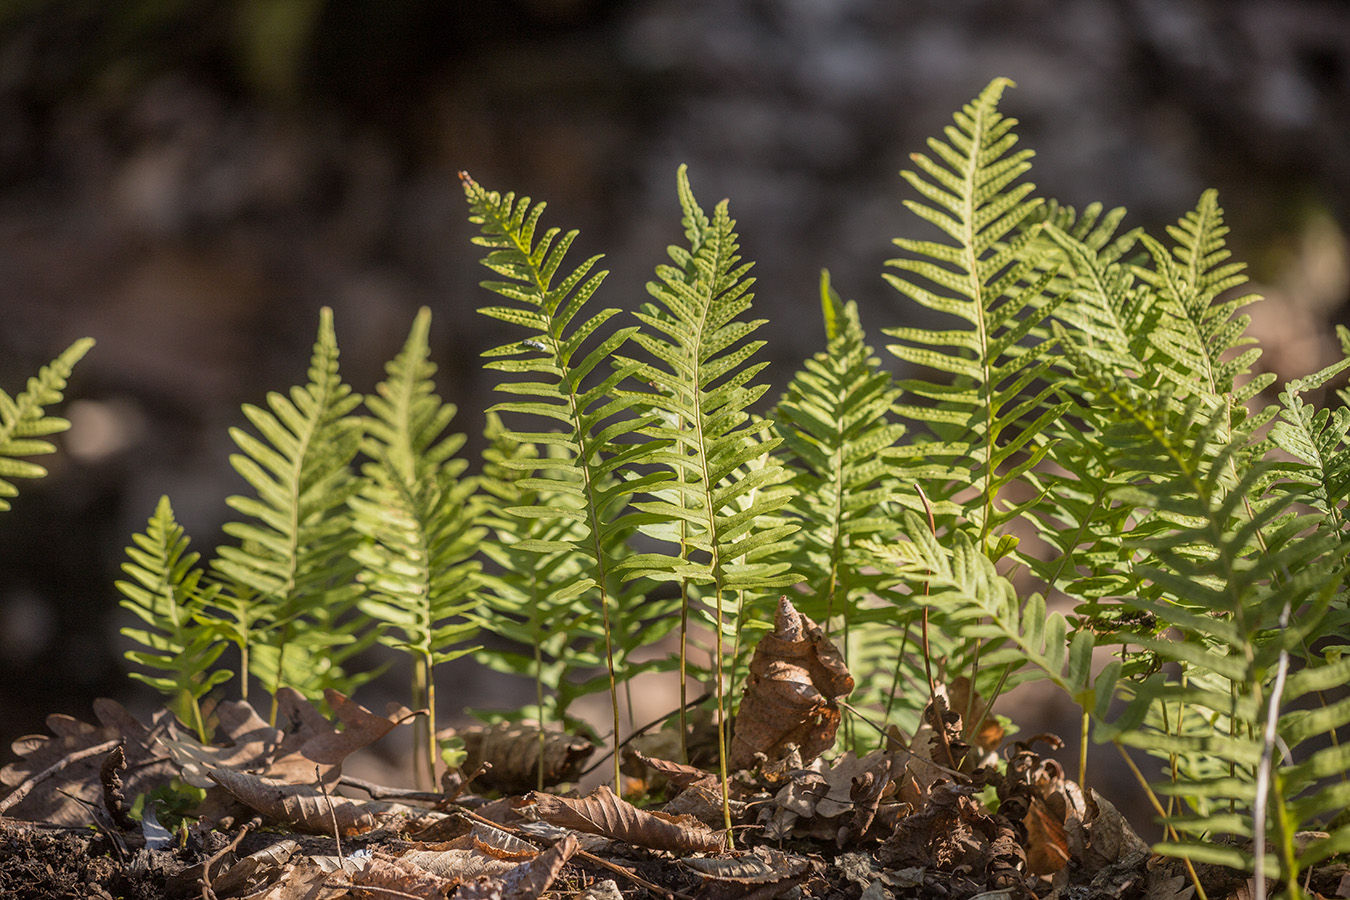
{"x": 1080, "y": 428}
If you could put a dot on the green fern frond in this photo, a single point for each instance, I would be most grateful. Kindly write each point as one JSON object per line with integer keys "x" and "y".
{"x": 835, "y": 422}
{"x": 294, "y": 554}
{"x": 1318, "y": 440}
{"x": 1201, "y": 341}
{"x": 987, "y": 415}
{"x": 561, "y": 367}
{"x": 419, "y": 519}
{"x": 165, "y": 592}
{"x": 721, "y": 495}
{"x": 23, "y": 421}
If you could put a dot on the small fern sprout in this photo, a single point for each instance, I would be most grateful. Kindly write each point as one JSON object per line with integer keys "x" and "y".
{"x": 165, "y": 591}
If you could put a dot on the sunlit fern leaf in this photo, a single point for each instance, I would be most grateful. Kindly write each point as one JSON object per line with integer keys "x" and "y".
{"x": 967, "y": 597}
{"x": 1199, "y": 341}
{"x": 419, "y": 518}
{"x": 561, "y": 364}
{"x": 699, "y": 349}
{"x": 521, "y": 587}
{"x": 165, "y": 592}
{"x": 293, "y": 559}
{"x": 988, "y": 411}
{"x": 1317, "y": 440}
{"x": 835, "y": 420}
{"x": 23, "y": 421}
{"x": 835, "y": 423}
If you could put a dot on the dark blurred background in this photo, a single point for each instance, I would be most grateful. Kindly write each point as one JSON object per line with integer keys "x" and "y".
{"x": 188, "y": 181}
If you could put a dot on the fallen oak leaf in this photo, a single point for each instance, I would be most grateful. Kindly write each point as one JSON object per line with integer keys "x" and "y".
{"x": 602, "y": 813}
{"x": 796, "y": 677}
{"x": 56, "y": 780}
{"x": 316, "y": 740}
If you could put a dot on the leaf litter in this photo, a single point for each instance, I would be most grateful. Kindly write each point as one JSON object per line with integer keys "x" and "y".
{"x": 910, "y": 821}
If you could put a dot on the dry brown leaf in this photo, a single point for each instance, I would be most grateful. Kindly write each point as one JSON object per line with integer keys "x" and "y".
{"x": 298, "y": 806}
{"x": 459, "y": 865}
{"x": 385, "y": 876}
{"x": 314, "y": 739}
{"x": 796, "y": 676}
{"x": 602, "y": 813}
{"x": 305, "y": 880}
{"x": 512, "y": 750}
{"x": 500, "y": 844}
{"x": 988, "y": 736}
{"x": 761, "y": 866}
{"x": 678, "y": 775}
{"x": 305, "y": 739}
{"x": 1111, "y": 840}
{"x": 58, "y": 798}
{"x": 526, "y": 881}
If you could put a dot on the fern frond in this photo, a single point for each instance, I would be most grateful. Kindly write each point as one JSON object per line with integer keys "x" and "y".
{"x": 419, "y": 519}
{"x": 1201, "y": 342}
{"x": 720, "y": 498}
{"x": 835, "y": 423}
{"x": 986, "y": 415}
{"x": 559, "y": 365}
{"x": 294, "y": 554}
{"x": 165, "y": 592}
{"x": 23, "y": 421}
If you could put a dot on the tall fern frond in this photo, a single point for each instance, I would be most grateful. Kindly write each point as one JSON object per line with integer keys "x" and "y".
{"x": 835, "y": 423}
{"x": 1318, "y": 442}
{"x": 522, "y": 586}
{"x": 293, "y": 559}
{"x": 23, "y": 421}
{"x": 419, "y": 518}
{"x": 702, "y": 379}
{"x": 564, "y": 380}
{"x": 164, "y": 591}
{"x": 986, "y": 417}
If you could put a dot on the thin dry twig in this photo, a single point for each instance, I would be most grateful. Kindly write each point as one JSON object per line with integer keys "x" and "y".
{"x": 207, "y": 892}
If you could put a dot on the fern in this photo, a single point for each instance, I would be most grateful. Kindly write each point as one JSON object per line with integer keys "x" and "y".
{"x": 419, "y": 519}
{"x": 23, "y": 421}
{"x": 834, "y": 422}
{"x": 593, "y": 416}
{"x": 165, "y": 592}
{"x": 293, "y": 560}
{"x": 702, "y": 384}
{"x": 985, "y": 430}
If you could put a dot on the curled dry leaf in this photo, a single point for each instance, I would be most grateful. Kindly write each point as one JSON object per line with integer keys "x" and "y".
{"x": 500, "y": 844}
{"x": 65, "y": 797}
{"x": 796, "y": 677}
{"x": 602, "y": 813}
{"x": 513, "y": 752}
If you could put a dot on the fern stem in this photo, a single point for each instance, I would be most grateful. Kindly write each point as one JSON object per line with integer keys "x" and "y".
{"x": 684, "y": 659}
{"x": 1157, "y": 806}
{"x": 430, "y": 737}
